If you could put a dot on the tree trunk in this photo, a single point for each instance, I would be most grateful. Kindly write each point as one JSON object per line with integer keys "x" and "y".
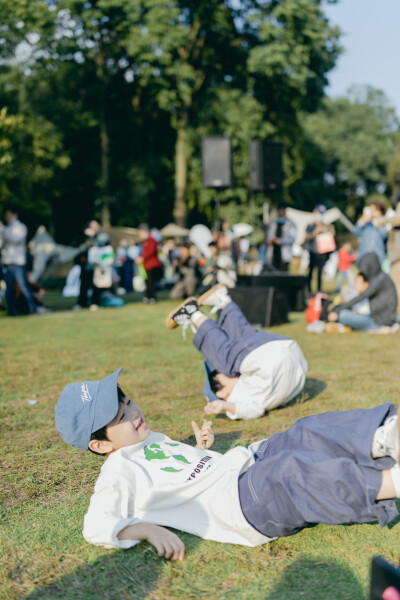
{"x": 104, "y": 146}
{"x": 105, "y": 204}
{"x": 180, "y": 208}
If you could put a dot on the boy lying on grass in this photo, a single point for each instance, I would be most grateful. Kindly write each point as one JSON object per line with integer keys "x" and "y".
{"x": 248, "y": 371}
{"x": 338, "y": 467}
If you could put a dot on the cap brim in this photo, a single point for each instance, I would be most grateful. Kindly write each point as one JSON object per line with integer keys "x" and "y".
{"x": 207, "y": 391}
{"x": 106, "y": 401}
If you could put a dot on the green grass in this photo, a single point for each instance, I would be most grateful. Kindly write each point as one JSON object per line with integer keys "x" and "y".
{"x": 45, "y": 485}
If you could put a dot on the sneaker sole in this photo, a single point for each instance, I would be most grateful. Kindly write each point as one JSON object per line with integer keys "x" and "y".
{"x": 201, "y": 299}
{"x": 169, "y": 321}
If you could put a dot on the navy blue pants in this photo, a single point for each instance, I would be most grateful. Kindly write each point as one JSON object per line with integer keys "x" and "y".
{"x": 318, "y": 471}
{"x": 12, "y": 274}
{"x": 226, "y": 344}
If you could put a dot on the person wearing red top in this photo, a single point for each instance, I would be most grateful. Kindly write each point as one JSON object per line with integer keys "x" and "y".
{"x": 151, "y": 262}
{"x": 346, "y": 258}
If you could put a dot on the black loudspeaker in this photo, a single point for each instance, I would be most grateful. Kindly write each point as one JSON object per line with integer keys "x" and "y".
{"x": 292, "y": 286}
{"x": 216, "y": 161}
{"x": 266, "y": 165}
{"x": 264, "y": 306}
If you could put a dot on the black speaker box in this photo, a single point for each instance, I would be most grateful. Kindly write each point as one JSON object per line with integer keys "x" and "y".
{"x": 292, "y": 286}
{"x": 216, "y": 161}
{"x": 265, "y": 165}
{"x": 264, "y": 306}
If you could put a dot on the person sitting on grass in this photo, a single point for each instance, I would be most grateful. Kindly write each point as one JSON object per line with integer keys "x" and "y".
{"x": 248, "y": 371}
{"x": 339, "y": 467}
{"x": 382, "y": 296}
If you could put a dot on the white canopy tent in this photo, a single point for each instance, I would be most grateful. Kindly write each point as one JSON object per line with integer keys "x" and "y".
{"x": 303, "y": 218}
{"x": 44, "y": 248}
{"x": 173, "y": 230}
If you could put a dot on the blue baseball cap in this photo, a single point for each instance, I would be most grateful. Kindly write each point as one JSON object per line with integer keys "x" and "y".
{"x": 86, "y": 407}
{"x": 207, "y": 390}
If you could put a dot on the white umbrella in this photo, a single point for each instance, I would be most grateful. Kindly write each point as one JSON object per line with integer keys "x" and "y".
{"x": 241, "y": 229}
{"x": 201, "y": 236}
{"x": 174, "y": 230}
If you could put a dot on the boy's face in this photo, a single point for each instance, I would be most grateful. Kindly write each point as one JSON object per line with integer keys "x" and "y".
{"x": 228, "y": 383}
{"x": 126, "y": 429}
{"x": 128, "y": 426}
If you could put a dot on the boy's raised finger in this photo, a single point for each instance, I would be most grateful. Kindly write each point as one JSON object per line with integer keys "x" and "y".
{"x": 196, "y": 428}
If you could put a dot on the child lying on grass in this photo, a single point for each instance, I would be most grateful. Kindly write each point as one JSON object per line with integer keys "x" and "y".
{"x": 248, "y": 370}
{"x": 336, "y": 467}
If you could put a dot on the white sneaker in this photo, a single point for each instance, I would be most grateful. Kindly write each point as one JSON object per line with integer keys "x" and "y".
{"x": 93, "y": 307}
{"x": 386, "y": 439}
{"x": 42, "y": 310}
{"x": 217, "y": 297}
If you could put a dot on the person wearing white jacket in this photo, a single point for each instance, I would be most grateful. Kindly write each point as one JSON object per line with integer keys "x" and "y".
{"x": 13, "y": 258}
{"x": 248, "y": 371}
{"x": 336, "y": 468}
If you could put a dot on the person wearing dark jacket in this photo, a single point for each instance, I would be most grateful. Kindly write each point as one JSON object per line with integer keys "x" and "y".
{"x": 381, "y": 294}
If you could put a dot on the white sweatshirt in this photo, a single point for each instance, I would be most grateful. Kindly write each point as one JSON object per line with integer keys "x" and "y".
{"x": 171, "y": 484}
{"x": 14, "y": 243}
{"x": 270, "y": 376}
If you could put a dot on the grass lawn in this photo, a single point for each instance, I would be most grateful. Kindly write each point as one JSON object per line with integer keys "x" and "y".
{"x": 45, "y": 485}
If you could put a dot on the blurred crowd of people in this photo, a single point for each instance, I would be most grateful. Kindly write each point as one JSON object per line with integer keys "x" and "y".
{"x": 102, "y": 275}
{"x": 104, "y": 272}
{"x": 365, "y": 297}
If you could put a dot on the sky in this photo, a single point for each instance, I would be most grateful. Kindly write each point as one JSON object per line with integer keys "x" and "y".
{"x": 370, "y": 37}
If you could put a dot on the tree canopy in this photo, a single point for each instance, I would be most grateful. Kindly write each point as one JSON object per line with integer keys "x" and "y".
{"x": 103, "y": 104}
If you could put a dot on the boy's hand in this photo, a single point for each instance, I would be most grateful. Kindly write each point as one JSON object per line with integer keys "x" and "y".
{"x": 205, "y": 435}
{"x": 332, "y": 317}
{"x": 167, "y": 544}
{"x": 215, "y": 408}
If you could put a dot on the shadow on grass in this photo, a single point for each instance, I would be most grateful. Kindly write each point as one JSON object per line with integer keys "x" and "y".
{"x": 56, "y": 302}
{"x": 395, "y": 521}
{"x": 317, "y": 580}
{"x": 121, "y": 575}
{"x": 223, "y": 441}
{"x": 312, "y": 389}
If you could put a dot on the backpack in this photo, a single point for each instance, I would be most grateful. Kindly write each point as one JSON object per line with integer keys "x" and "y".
{"x": 317, "y": 310}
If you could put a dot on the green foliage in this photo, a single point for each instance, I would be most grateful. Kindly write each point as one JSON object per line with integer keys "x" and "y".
{"x": 393, "y": 168}
{"x": 347, "y": 145}
{"x": 9, "y": 124}
{"x": 295, "y": 50}
{"x": 111, "y": 85}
